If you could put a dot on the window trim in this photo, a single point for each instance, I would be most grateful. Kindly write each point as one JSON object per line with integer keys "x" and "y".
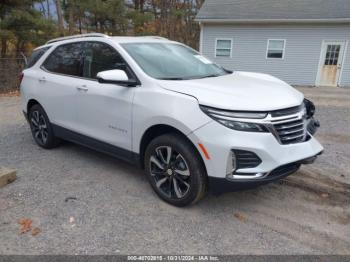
{"x": 283, "y": 50}
{"x": 81, "y": 77}
{"x": 46, "y": 51}
{"x": 224, "y": 39}
{"x": 126, "y": 63}
{"x": 49, "y": 55}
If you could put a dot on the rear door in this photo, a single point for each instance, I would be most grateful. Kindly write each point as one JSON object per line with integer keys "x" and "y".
{"x": 104, "y": 110}
{"x": 60, "y": 77}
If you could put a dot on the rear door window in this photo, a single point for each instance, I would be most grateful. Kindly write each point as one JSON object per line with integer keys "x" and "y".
{"x": 66, "y": 59}
{"x": 36, "y": 55}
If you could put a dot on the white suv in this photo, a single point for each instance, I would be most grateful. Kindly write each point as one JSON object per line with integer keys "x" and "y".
{"x": 191, "y": 124}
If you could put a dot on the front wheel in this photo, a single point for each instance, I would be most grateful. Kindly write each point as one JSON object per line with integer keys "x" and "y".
{"x": 175, "y": 170}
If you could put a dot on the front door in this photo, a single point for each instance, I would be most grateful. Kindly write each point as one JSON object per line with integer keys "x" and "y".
{"x": 332, "y": 55}
{"x": 104, "y": 110}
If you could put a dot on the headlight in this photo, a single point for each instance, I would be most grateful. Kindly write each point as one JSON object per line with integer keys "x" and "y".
{"x": 232, "y": 114}
{"x": 227, "y": 118}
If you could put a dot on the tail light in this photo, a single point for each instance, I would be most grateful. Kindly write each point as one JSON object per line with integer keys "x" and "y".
{"x": 20, "y": 78}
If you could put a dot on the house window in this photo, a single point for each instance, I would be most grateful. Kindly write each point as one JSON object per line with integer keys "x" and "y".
{"x": 275, "y": 48}
{"x": 223, "y": 47}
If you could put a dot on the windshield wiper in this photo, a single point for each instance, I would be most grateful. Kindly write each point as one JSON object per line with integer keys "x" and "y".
{"x": 213, "y": 75}
{"x": 217, "y": 75}
{"x": 189, "y": 78}
{"x": 172, "y": 78}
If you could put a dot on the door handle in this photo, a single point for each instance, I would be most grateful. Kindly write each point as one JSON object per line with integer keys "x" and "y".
{"x": 82, "y": 88}
{"x": 42, "y": 79}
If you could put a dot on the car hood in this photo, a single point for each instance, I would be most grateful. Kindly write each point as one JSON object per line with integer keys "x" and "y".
{"x": 239, "y": 91}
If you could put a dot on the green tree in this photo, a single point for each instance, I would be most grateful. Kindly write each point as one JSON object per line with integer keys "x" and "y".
{"x": 105, "y": 16}
{"x": 23, "y": 26}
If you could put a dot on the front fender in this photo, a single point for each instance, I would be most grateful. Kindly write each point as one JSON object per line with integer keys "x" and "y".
{"x": 162, "y": 107}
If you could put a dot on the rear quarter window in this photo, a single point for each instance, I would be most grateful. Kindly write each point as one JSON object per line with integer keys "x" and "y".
{"x": 36, "y": 55}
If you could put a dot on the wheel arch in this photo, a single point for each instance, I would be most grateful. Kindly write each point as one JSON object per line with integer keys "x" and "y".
{"x": 162, "y": 129}
{"x": 31, "y": 103}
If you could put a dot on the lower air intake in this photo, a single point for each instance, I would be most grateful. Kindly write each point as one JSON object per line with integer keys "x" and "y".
{"x": 246, "y": 159}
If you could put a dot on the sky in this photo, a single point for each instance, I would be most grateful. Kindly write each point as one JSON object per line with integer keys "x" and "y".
{"x": 51, "y": 5}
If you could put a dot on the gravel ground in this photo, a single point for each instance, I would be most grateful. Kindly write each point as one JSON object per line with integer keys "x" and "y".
{"x": 85, "y": 202}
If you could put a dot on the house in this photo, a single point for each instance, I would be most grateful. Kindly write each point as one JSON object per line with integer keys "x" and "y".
{"x": 304, "y": 42}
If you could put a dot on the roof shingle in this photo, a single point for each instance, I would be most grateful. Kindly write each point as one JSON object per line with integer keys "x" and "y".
{"x": 274, "y": 10}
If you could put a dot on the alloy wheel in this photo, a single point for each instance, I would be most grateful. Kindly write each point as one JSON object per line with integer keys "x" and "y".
{"x": 170, "y": 172}
{"x": 39, "y": 127}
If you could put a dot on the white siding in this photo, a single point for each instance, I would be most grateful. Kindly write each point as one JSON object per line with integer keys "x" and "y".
{"x": 302, "y": 51}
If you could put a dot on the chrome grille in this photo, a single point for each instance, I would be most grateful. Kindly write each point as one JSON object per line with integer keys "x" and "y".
{"x": 290, "y": 128}
{"x": 287, "y": 111}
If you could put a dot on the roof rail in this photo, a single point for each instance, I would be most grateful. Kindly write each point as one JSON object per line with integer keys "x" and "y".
{"x": 154, "y": 37}
{"x": 76, "y": 36}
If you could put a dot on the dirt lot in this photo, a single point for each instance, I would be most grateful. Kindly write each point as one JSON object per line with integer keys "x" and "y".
{"x": 84, "y": 202}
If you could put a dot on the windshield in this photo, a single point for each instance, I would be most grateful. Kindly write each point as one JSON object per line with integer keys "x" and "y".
{"x": 171, "y": 61}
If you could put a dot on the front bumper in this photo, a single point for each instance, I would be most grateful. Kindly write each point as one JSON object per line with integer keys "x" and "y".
{"x": 220, "y": 140}
{"x": 222, "y": 185}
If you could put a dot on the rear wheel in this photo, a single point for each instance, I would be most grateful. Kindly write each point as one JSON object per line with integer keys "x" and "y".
{"x": 175, "y": 170}
{"x": 41, "y": 128}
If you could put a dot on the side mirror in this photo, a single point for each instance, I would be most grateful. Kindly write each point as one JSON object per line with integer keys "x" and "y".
{"x": 115, "y": 76}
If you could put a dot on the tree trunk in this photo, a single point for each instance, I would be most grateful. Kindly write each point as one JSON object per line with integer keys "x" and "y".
{"x": 48, "y": 9}
{"x": 71, "y": 22}
{"x": 79, "y": 25}
{"x": 60, "y": 17}
{"x": 136, "y": 4}
{"x": 43, "y": 9}
{"x": 3, "y": 47}
{"x": 19, "y": 44}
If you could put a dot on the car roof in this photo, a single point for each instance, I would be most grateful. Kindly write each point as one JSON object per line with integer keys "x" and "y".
{"x": 138, "y": 39}
{"x": 116, "y": 39}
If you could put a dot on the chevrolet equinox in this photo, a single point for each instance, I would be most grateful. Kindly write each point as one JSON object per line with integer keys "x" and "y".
{"x": 189, "y": 123}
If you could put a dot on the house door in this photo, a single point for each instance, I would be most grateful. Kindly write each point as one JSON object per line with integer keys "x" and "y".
{"x": 332, "y": 54}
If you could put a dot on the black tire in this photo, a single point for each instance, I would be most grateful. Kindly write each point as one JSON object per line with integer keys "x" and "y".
{"x": 179, "y": 179}
{"x": 41, "y": 128}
